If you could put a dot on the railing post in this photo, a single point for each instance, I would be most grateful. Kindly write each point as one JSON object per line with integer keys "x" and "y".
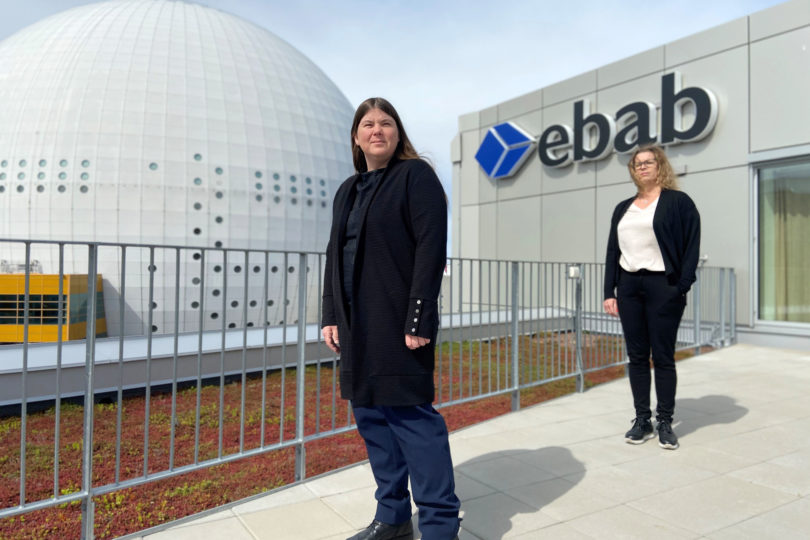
{"x": 300, "y": 371}
{"x": 696, "y": 310}
{"x": 575, "y": 273}
{"x": 515, "y": 339}
{"x": 732, "y": 316}
{"x": 722, "y": 305}
{"x": 89, "y": 372}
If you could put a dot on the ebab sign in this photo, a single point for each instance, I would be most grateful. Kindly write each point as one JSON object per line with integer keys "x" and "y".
{"x": 595, "y": 136}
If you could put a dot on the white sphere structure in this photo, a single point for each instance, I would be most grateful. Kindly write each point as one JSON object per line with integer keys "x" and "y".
{"x": 166, "y": 122}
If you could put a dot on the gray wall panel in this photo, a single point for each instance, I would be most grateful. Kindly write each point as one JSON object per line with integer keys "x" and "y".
{"x": 780, "y": 114}
{"x": 726, "y": 36}
{"x": 568, "y": 226}
{"x": 779, "y": 18}
{"x": 519, "y": 229}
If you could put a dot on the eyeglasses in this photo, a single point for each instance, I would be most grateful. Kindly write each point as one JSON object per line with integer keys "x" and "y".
{"x": 642, "y": 164}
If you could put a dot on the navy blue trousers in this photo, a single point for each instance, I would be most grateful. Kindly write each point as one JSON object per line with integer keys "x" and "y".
{"x": 650, "y": 310}
{"x": 411, "y": 442}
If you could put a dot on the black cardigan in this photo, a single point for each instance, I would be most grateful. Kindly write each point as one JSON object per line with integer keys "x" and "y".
{"x": 676, "y": 225}
{"x": 398, "y": 266}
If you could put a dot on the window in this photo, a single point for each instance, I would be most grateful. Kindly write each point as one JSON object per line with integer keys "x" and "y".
{"x": 784, "y": 253}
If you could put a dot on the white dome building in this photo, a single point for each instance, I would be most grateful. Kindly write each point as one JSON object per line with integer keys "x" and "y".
{"x": 166, "y": 122}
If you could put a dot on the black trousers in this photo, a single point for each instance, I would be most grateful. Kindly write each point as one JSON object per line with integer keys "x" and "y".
{"x": 650, "y": 310}
{"x": 411, "y": 442}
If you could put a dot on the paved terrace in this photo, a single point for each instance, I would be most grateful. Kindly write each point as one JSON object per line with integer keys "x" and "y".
{"x": 562, "y": 470}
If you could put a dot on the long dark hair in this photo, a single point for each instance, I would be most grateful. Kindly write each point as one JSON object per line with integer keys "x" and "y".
{"x": 404, "y": 149}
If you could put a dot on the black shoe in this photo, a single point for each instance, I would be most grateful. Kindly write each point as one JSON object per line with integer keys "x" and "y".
{"x": 641, "y": 431}
{"x": 383, "y": 531}
{"x": 666, "y": 438}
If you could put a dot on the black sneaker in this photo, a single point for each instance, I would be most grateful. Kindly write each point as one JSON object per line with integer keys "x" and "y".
{"x": 641, "y": 431}
{"x": 666, "y": 438}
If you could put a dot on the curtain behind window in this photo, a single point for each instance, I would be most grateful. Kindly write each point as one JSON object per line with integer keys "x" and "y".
{"x": 784, "y": 243}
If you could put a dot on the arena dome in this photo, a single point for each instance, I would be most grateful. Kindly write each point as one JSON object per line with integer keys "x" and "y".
{"x": 165, "y": 122}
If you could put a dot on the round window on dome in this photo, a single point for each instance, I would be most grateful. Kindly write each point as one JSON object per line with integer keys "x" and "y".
{"x": 4, "y": 163}
{"x": 276, "y": 176}
{"x": 2, "y": 176}
{"x": 292, "y": 178}
{"x": 259, "y": 198}
{"x": 40, "y": 189}
{"x": 197, "y": 157}
{"x": 85, "y": 163}
{"x": 2, "y": 189}
{"x": 83, "y": 189}
{"x": 42, "y": 162}
{"x": 323, "y": 182}
{"x": 153, "y": 166}
{"x": 23, "y": 163}
{"x": 276, "y": 199}
{"x": 41, "y": 175}
{"x": 218, "y": 219}
{"x": 308, "y": 180}
{"x": 219, "y": 194}
{"x": 21, "y": 176}
{"x": 85, "y": 176}
{"x": 197, "y": 206}
{"x": 20, "y": 189}
{"x": 63, "y": 163}
{"x": 218, "y": 170}
{"x": 61, "y": 189}
{"x": 258, "y": 174}
{"x": 198, "y": 181}
{"x": 62, "y": 175}
{"x": 258, "y": 185}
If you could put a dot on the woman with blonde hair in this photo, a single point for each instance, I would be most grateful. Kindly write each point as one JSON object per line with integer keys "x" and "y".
{"x": 652, "y": 257}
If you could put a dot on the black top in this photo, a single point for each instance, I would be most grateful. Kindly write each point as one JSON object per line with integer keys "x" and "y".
{"x": 397, "y": 274}
{"x": 676, "y": 224}
{"x": 362, "y": 190}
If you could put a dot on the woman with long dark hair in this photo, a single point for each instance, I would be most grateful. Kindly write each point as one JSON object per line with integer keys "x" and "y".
{"x": 652, "y": 257}
{"x": 384, "y": 265}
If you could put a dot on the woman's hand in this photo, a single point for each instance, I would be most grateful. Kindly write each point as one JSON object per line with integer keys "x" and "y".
{"x": 611, "y": 307}
{"x": 330, "y": 337}
{"x": 414, "y": 342}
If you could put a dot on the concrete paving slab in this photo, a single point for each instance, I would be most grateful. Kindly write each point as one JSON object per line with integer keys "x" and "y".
{"x": 625, "y": 522}
{"x": 711, "y": 505}
{"x": 309, "y": 520}
{"x": 231, "y": 528}
{"x": 788, "y": 522}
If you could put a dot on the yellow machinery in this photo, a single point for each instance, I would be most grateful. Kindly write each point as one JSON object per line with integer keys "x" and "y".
{"x": 43, "y": 304}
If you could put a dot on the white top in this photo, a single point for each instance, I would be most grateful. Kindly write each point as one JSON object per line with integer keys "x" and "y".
{"x": 637, "y": 240}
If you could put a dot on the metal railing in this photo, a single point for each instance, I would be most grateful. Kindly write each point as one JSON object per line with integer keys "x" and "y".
{"x": 505, "y": 327}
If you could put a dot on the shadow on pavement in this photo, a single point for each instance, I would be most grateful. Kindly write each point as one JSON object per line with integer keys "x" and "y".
{"x": 489, "y": 510}
{"x": 713, "y": 409}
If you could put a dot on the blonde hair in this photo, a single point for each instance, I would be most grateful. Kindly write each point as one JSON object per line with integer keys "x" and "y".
{"x": 666, "y": 176}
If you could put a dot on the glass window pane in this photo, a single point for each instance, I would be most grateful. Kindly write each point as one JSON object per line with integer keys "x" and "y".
{"x": 784, "y": 252}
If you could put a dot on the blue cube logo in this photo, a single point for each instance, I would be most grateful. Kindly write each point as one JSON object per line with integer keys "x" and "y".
{"x": 503, "y": 150}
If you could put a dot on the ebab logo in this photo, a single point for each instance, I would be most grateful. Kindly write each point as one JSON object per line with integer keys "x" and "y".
{"x": 503, "y": 150}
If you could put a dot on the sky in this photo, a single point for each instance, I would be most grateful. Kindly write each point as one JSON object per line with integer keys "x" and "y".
{"x": 437, "y": 60}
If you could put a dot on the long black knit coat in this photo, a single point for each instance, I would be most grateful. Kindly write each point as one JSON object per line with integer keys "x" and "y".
{"x": 401, "y": 254}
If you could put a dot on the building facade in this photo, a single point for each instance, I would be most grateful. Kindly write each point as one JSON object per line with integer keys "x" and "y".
{"x": 537, "y": 177}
